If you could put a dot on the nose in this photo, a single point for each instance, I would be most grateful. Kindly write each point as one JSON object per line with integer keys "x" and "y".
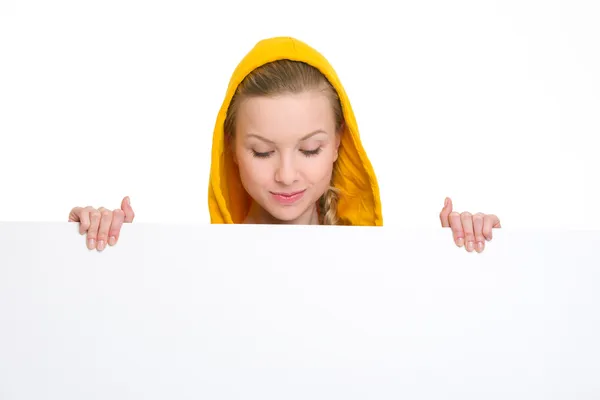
{"x": 286, "y": 172}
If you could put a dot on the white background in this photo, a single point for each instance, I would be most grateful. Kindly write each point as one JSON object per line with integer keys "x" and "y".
{"x": 493, "y": 103}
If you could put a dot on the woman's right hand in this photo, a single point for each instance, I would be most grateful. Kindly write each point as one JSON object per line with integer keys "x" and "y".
{"x": 102, "y": 225}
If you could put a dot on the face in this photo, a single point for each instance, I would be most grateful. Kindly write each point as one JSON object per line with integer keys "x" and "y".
{"x": 285, "y": 148}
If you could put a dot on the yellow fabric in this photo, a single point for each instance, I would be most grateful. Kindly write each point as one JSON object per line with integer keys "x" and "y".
{"x": 354, "y": 176}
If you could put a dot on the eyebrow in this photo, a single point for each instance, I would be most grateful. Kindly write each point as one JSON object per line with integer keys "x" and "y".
{"x": 254, "y": 135}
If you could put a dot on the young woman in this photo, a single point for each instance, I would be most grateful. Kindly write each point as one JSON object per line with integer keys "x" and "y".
{"x": 286, "y": 150}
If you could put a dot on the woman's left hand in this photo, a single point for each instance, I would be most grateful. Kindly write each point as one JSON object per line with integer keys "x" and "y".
{"x": 468, "y": 230}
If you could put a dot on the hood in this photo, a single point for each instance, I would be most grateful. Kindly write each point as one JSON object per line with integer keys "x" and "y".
{"x": 359, "y": 202}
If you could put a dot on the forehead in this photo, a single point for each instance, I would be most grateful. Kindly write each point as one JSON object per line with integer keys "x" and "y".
{"x": 287, "y": 116}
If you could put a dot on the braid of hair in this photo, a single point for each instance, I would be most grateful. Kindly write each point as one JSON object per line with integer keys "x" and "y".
{"x": 328, "y": 207}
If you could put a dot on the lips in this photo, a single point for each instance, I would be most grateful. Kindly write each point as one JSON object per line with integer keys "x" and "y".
{"x": 288, "y": 198}
{"x": 292, "y": 194}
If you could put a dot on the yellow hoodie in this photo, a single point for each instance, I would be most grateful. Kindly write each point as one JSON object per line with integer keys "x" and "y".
{"x": 359, "y": 202}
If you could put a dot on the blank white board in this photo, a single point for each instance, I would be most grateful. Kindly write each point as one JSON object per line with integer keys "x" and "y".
{"x": 276, "y": 312}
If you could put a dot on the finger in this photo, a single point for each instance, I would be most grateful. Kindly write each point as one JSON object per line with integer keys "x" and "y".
{"x": 92, "y": 232}
{"x": 445, "y": 213}
{"x": 478, "y": 222}
{"x": 84, "y": 219}
{"x": 457, "y": 229}
{"x": 79, "y": 214}
{"x": 467, "y": 224}
{"x": 74, "y": 214}
{"x": 495, "y": 221}
{"x": 126, "y": 207}
{"x": 115, "y": 227}
{"x": 105, "y": 222}
{"x": 490, "y": 222}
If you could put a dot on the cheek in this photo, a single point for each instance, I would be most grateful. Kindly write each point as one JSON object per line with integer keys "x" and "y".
{"x": 319, "y": 169}
{"x": 253, "y": 171}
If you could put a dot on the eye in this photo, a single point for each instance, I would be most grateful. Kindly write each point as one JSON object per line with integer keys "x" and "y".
{"x": 310, "y": 153}
{"x": 261, "y": 155}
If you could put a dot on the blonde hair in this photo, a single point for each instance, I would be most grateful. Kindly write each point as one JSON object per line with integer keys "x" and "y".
{"x": 287, "y": 76}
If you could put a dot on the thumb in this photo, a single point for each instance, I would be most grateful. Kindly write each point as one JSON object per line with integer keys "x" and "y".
{"x": 126, "y": 207}
{"x": 445, "y": 213}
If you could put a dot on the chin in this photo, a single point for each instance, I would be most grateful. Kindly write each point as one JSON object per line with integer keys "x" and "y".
{"x": 286, "y": 214}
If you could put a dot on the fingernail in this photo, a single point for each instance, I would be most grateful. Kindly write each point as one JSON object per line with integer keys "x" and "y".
{"x": 100, "y": 245}
{"x": 460, "y": 242}
{"x": 128, "y": 200}
{"x": 480, "y": 246}
{"x": 469, "y": 246}
{"x": 91, "y": 244}
{"x": 112, "y": 240}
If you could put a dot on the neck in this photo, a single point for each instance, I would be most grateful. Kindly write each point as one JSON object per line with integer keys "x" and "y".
{"x": 258, "y": 215}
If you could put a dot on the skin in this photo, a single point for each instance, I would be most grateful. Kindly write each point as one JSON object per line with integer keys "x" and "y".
{"x": 468, "y": 230}
{"x": 286, "y": 144}
{"x": 102, "y": 226}
{"x": 274, "y": 148}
